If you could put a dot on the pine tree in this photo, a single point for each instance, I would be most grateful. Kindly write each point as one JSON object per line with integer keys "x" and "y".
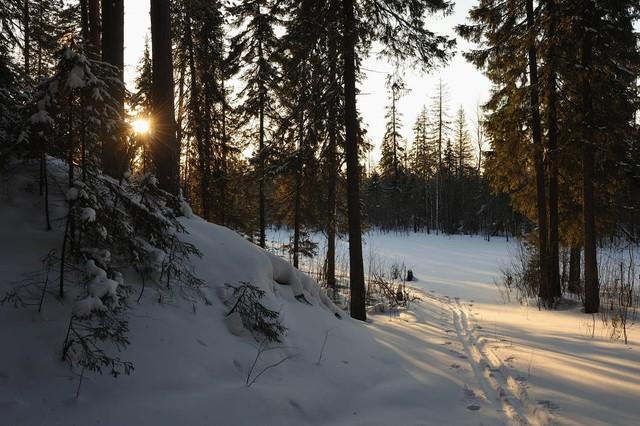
{"x": 400, "y": 28}
{"x": 254, "y": 53}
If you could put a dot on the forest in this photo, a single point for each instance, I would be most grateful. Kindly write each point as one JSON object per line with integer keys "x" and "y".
{"x": 248, "y": 115}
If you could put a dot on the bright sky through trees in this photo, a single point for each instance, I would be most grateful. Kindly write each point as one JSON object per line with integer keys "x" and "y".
{"x": 466, "y": 85}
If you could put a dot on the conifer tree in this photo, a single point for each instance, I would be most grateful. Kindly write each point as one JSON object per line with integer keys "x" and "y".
{"x": 254, "y": 53}
{"x": 400, "y": 28}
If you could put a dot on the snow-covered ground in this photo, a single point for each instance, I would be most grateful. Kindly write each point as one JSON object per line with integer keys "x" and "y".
{"x": 546, "y": 364}
{"x": 459, "y": 356}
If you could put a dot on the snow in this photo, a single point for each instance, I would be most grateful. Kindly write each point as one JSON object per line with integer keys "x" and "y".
{"x": 84, "y": 307}
{"x": 100, "y": 287}
{"x": 75, "y": 80}
{"x": 546, "y": 363}
{"x": 72, "y": 194}
{"x": 92, "y": 270}
{"x": 87, "y": 214}
{"x": 460, "y": 356}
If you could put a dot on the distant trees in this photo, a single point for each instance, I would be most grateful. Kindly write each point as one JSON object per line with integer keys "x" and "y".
{"x": 440, "y": 160}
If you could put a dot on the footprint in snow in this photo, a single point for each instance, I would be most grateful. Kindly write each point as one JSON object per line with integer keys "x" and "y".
{"x": 548, "y": 404}
{"x": 472, "y": 399}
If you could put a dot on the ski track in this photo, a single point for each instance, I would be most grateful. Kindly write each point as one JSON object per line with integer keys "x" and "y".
{"x": 495, "y": 380}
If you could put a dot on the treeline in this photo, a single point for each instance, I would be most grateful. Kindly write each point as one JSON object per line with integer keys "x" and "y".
{"x": 563, "y": 123}
{"x": 435, "y": 183}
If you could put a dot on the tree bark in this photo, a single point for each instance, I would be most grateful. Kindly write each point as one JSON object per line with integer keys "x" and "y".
{"x": 198, "y": 121}
{"x": 332, "y": 179}
{"x": 26, "y": 17}
{"x": 298, "y": 189}
{"x": 94, "y": 28}
{"x": 591, "y": 286}
{"x": 552, "y": 123}
{"x": 165, "y": 143}
{"x": 262, "y": 211}
{"x": 574, "y": 270}
{"x": 84, "y": 20}
{"x": 113, "y": 161}
{"x": 223, "y": 159}
{"x": 544, "y": 292}
{"x": 356, "y": 267}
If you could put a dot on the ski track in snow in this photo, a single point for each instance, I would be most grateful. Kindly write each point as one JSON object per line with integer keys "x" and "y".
{"x": 495, "y": 383}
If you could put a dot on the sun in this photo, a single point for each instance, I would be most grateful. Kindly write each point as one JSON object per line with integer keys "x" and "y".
{"x": 140, "y": 126}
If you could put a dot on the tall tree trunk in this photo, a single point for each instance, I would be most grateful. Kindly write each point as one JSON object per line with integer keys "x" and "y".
{"x": 574, "y": 270}
{"x": 544, "y": 292}
{"x": 165, "y": 144}
{"x": 262, "y": 211}
{"x": 591, "y": 286}
{"x": 298, "y": 189}
{"x": 223, "y": 159}
{"x": 198, "y": 120}
{"x": 332, "y": 177}
{"x": 552, "y": 123}
{"x": 94, "y": 28}
{"x": 84, "y": 20}
{"x": 113, "y": 53}
{"x": 26, "y": 51}
{"x": 356, "y": 267}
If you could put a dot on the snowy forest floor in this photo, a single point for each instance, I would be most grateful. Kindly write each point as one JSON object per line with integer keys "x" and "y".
{"x": 461, "y": 355}
{"x": 503, "y": 361}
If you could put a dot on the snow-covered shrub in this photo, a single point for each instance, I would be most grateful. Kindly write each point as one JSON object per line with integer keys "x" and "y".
{"x": 113, "y": 224}
{"x": 262, "y": 322}
{"x": 387, "y": 288}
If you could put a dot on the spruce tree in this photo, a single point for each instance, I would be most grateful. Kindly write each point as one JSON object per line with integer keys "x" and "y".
{"x": 254, "y": 52}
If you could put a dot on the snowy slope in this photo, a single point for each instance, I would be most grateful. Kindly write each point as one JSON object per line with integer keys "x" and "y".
{"x": 460, "y": 356}
{"x": 189, "y": 369}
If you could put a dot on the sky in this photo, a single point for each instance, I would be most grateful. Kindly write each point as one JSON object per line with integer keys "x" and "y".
{"x": 465, "y": 85}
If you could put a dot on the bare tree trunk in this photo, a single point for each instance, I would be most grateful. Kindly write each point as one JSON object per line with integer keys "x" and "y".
{"x": 332, "y": 180}
{"x": 94, "y": 28}
{"x": 544, "y": 291}
{"x": 199, "y": 121}
{"x": 223, "y": 159}
{"x": 261, "y": 160}
{"x": 552, "y": 123}
{"x": 165, "y": 144}
{"x": 113, "y": 53}
{"x": 298, "y": 190}
{"x": 26, "y": 18}
{"x": 84, "y": 20}
{"x": 591, "y": 286}
{"x": 574, "y": 270}
{"x": 356, "y": 267}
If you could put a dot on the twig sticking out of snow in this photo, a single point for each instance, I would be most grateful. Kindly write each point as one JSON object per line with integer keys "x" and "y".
{"x": 324, "y": 343}
{"x": 262, "y": 348}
